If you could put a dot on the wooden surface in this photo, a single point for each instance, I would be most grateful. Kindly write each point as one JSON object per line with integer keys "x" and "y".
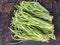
{"x": 6, "y": 13}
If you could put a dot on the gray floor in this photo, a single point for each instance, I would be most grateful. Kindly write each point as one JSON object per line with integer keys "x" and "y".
{"x": 6, "y": 13}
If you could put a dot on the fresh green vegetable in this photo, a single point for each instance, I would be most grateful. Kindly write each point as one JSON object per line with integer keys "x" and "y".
{"x": 32, "y": 21}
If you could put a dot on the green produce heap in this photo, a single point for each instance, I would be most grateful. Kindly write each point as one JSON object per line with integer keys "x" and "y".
{"x": 32, "y": 21}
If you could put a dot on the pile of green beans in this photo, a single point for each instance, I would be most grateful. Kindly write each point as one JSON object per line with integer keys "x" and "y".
{"x": 32, "y": 21}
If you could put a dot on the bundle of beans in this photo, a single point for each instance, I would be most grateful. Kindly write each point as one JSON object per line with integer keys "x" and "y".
{"x": 32, "y": 21}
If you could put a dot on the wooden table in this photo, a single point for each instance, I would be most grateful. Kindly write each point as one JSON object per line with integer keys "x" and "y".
{"x": 6, "y": 13}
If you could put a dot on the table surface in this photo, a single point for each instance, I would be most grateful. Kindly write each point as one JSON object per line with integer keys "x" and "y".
{"x": 6, "y": 13}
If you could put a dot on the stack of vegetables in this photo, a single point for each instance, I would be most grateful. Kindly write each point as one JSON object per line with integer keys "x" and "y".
{"x": 32, "y": 21}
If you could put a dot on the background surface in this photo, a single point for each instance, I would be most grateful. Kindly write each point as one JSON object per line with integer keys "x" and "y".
{"x": 6, "y": 13}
